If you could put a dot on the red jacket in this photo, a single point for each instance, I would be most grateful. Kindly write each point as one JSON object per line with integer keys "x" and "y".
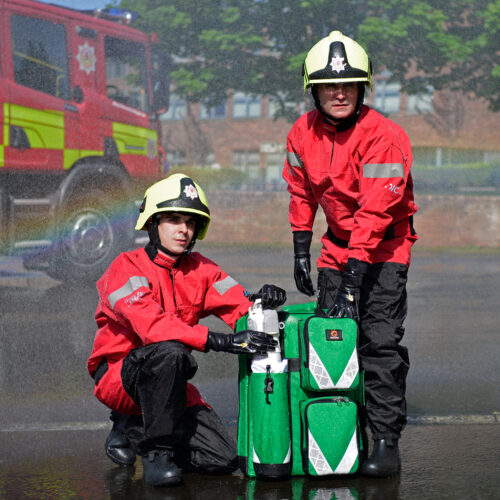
{"x": 361, "y": 178}
{"x": 142, "y": 302}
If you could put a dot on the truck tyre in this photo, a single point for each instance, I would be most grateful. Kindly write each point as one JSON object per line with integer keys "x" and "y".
{"x": 93, "y": 228}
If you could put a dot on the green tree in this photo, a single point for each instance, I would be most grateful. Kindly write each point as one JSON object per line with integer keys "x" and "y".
{"x": 447, "y": 45}
{"x": 258, "y": 46}
{"x": 254, "y": 46}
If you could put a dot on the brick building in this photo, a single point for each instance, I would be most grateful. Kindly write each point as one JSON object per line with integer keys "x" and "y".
{"x": 444, "y": 128}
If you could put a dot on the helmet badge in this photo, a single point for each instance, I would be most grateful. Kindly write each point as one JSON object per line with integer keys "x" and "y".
{"x": 337, "y": 63}
{"x": 190, "y": 192}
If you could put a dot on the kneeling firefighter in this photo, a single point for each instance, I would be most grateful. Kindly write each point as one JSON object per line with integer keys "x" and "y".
{"x": 355, "y": 164}
{"x": 150, "y": 303}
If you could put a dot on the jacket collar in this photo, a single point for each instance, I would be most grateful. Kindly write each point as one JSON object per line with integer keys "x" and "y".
{"x": 161, "y": 259}
{"x": 326, "y": 124}
{"x": 165, "y": 261}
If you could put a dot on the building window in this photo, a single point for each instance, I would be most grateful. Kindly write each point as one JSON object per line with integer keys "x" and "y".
{"x": 39, "y": 55}
{"x": 420, "y": 103}
{"x": 176, "y": 110}
{"x": 291, "y": 107}
{"x": 246, "y": 105}
{"x": 274, "y": 107}
{"x": 174, "y": 158}
{"x": 274, "y": 167}
{"x": 247, "y": 161}
{"x": 213, "y": 113}
{"x": 387, "y": 97}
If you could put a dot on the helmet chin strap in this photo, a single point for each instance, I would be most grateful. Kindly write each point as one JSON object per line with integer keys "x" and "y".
{"x": 155, "y": 242}
{"x": 343, "y": 123}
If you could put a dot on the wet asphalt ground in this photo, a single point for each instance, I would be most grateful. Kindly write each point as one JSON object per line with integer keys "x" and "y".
{"x": 52, "y": 430}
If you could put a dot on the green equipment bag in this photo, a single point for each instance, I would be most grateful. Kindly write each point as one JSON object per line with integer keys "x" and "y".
{"x": 328, "y": 354}
{"x": 329, "y": 436}
{"x": 264, "y": 436}
{"x": 304, "y": 420}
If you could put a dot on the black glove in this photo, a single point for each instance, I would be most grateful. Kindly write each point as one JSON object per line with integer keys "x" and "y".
{"x": 271, "y": 296}
{"x": 302, "y": 265}
{"x": 345, "y": 304}
{"x": 244, "y": 342}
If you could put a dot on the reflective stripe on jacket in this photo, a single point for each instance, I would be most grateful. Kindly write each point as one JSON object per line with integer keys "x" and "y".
{"x": 142, "y": 302}
{"x": 361, "y": 179}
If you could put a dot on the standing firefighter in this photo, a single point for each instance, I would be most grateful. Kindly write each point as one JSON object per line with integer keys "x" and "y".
{"x": 150, "y": 302}
{"x": 355, "y": 164}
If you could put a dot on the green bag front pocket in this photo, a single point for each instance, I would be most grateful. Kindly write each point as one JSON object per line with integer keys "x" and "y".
{"x": 270, "y": 434}
{"x": 330, "y": 440}
{"x": 328, "y": 354}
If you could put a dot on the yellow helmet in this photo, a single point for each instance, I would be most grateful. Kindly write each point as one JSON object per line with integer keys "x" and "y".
{"x": 176, "y": 193}
{"x": 336, "y": 59}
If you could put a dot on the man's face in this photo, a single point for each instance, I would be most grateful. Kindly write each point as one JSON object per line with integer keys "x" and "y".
{"x": 338, "y": 99}
{"x": 176, "y": 231}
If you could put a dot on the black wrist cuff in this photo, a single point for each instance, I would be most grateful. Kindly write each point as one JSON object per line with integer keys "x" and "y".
{"x": 302, "y": 242}
{"x": 215, "y": 342}
{"x": 355, "y": 266}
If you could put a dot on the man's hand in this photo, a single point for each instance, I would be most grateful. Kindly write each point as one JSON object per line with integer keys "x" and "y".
{"x": 302, "y": 262}
{"x": 345, "y": 304}
{"x": 302, "y": 274}
{"x": 346, "y": 301}
{"x": 244, "y": 342}
{"x": 271, "y": 296}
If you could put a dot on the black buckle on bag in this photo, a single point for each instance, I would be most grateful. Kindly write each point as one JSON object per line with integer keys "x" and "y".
{"x": 269, "y": 384}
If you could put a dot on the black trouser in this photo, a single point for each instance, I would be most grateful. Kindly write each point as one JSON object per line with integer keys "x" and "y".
{"x": 155, "y": 377}
{"x": 382, "y": 309}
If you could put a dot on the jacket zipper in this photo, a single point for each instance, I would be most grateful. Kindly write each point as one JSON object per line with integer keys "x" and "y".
{"x": 333, "y": 143}
{"x": 173, "y": 286}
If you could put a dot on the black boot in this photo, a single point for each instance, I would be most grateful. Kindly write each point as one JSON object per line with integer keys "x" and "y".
{"x": 159, "y": 469}
{"x": 384, "y": 460}
{"x": 364, "y": 443}
{"x": 118, "y": 448}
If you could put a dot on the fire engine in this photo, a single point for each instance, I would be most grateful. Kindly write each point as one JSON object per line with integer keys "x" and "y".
{"x": 80, "y": 97}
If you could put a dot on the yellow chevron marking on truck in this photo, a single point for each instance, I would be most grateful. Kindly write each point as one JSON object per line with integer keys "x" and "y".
{"x": 46, "y": 130}
{"x": 71, "y": 156}
{"x": 133, "y": 140}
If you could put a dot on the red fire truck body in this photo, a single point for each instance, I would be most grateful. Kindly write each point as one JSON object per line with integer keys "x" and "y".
{"x": 80, "y": 96}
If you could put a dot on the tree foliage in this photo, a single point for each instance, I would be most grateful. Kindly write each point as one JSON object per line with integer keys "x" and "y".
{"x": 258, "y": 46}
{"x": 447, "y": 45}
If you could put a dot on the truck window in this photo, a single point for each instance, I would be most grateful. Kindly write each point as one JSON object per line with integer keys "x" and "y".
{"x": 40, "y": 55}
{"x": 126, "y": 78}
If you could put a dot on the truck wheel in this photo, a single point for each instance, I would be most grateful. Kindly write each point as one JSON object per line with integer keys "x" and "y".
{"x": 90, "y": 236}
